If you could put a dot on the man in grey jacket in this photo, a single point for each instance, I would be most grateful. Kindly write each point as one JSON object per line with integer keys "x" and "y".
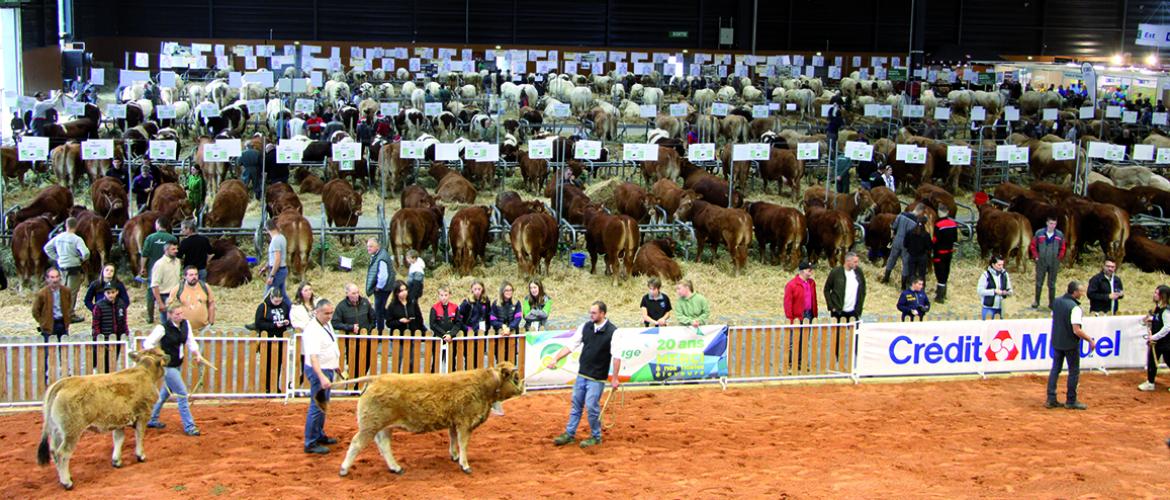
{"x": 1047, "y": 249}
{"x": 903, "y": 225}
{"x": 68, "y": 251}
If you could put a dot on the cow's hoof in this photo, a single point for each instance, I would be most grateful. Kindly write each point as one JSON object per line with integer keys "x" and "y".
{"x": 466, "y": 470}
{"x": 116, "y": 463}
{"x": 454, "y": 458}
{"x": 397, "y": 470}
{"x": 343, "y": 472}
{"x": 141, "y": 458}
{"x": 67, "y": 486}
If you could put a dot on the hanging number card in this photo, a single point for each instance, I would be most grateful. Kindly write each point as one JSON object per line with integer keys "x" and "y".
{"x": 701, "y": 152}
{"x": 163, "y": 150}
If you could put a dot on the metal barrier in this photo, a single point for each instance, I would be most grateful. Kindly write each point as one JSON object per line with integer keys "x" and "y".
{"x": 800, "y": 351}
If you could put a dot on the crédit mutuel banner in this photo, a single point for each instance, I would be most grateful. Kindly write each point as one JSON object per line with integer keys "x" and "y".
{"x": 957, "y": 347}
{"x": 648, "y": 354}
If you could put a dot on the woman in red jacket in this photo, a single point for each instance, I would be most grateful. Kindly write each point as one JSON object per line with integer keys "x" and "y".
{"x": 800, "y": 296}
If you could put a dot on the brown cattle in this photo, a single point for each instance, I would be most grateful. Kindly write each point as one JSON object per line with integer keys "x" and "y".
{"x": 1008, "y": 192}
{"x": 299, "y": 233}
{"x": 1148, "y": 255}
{"x": 171, "y": 200}
{"x": 482, "y": 173}
{"x": 229, "y": 266}
{"x": 230, "y": 205}
{"x": 110, "y": 201}
{"x": 934, "y": 197}
{"x": 665, "y": 167}
{"x": 858, "y": 205}
{"x": 1054, "y": 193}
{"x": 739, "y": 171}
{"x": 28, "y": 242}
{"x": 343, "y": 206}
{"x": 1156, "y": 197}
{"x": 308, "y": 181}
{"x": 95, "y": 231}
{"x": 879, "y": 236}
{"x": 453, "y": 402}
{"x": 830, "y": 233}
{"x": 534, "y": 172}
{"x": 669, "y": 195}
{"x": 885, "y": 201}
{"x": 1134, "y": 202}
{"x": 280, "y": 198}
{"x": 358, "y": 171}
{"x": 1037, "y": 212}
{"x": 1100, "y": 223}
{"x": 616, "y": 236}
{"x": 415, "y": 196}
{"x": 572, "y": 206}
{"x": 511, "y": 206}
{"x": 398, "y": 169}
{"x": 732, "y": 226}
{"x": 12, "y": 167}
{"x": 67, "y": 163}
{"x": 630, "y": 199}
{"x": 782, "y": 228}
{"x": 534, "y": 237}
{"x": 416, "y": 229}
{"x": 782, "y": 167}
{"x": 656, "y": 258}
{"x": 53, "y": 200}
{"x": 134, "y": 233}
{"x": 214, "y": 172}
{"x": 709, "y": 188}
{"x": 453, "y": 188}
{"x": 1004, "y": 234}
{"x": 468, "y": 236}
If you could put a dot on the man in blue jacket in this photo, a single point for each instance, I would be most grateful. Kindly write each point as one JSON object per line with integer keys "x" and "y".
{"x": 913, "y": 302}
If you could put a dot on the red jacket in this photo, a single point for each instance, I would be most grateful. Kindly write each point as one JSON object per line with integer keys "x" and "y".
{"x": 794, "y": 299}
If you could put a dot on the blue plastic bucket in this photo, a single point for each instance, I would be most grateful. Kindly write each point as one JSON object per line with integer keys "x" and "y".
{"x": 578, "y": 259}
{"x": 252, "y": 260}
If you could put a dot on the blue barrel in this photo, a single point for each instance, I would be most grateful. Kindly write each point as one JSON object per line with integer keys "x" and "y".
{"x": 578, "y": 259}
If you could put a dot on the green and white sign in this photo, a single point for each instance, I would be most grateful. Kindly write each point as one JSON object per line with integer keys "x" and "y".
{"x": 306, "y": 106}
{"x": 215, "y": 153}
{"x": 97, "y": 149}
{"x": 289, "y": 152}
{"x": 639, "y": 152}
{"x": 755, "y": 151}
{"x": 412, "y": 150}
{"x": 959, "y": 155}
{"x": 163, "y": 150}
{"x": 347, "y": 151}
{"x": 1018, "y": 155}
{"x": 540, "y": 150}
{"x": 32, "y": 149}
{"x": 701, "y": 152}
{"x": 807, "y": 150}
{"x": 587, "y": 150}
{"x": 482, "y": 151}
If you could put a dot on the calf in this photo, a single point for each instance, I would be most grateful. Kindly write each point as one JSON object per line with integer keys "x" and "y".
{"x": 512, "y": 206}
{"x": 714, "y": 190}
{"x": 656, "y": 258}
{"x": 53, "y": 200}
{"x": 630, "y": 199}
{"x": 67, "y": 163}
{"x": 712, "y": 222}
{"x": 885, "y": 201}
{"x": 453, "y": 188}
{"x": 665, "y": 167}
{"x": 534, "y": 172}
{"x": 616, "y": 236}
{"x": 95, "y": 231}
{"x": 739, "y": 171}
{"x": 415, "y": 229}
{"x": 482, "y": 172}
{"x": 782, "y": 228}
{"x": 1148, "y": 255}
{"x": 859, "y": 204}
{"x": 134, "y": 233}
{"x": 830, "y": 234}
{"x": 12, "y": 168}
{"x": 171, "y": 200}
{"x": 343, "y": 206}
{"x": 28, "y": 242}
{"x": 309, "y": 182}
{"x": 105, "y": 402}
{"x": 299, "y": 234}
{"x": 879, "y": 236}
{"x": 110, "y": 200}
{"x": 229, "y": 266}
{"x": 456, "y": 402}
{"x": 534, "y": 237}
{"x": 230, "y": 205}
{"x": 468, "y": 236}
{"x": 669, "y": 195}
{"x": 1157, "y": 198}
{"x": 415, "y": 196}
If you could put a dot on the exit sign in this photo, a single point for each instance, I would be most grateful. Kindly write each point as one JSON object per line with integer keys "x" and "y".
{"x": 677, "y": 34}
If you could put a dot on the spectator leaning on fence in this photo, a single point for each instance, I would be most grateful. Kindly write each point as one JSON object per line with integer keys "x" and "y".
{"x": 96, "y": 288}
{"x": 445, "y": 316}
{"x": 379, "y": 281}
{"x": 994, "y": 286}
{"x": 174, "y": 336}
{"x": 1047, "y": 249}
{"x": 50, "y": 305}
{"x": 68, "y": 251}
{"x": 692, "y": 307}
{"x": 800, "y": 295}
{"x": 404, "y": 313}
{"x": 165, "y": 276}
{"x": 1066, "y": 345}
{"x": 1105, "y": 289}
{"x": 1158, "y": 341}
{"x": 913, "y": 302}
{"x": 476, "y": 309}
{"x": 353, "y": 314}
{"x": 153, "y": 248}
{"x": 845, "y": 289}
{"x": 536, "y": 306}
{"x": 272, "y": 316}
{"x": 506, "y": 311}
{"x": 322, "y": 359}
{"x": 302, "y": 307}
{"x": 656, "y": 308}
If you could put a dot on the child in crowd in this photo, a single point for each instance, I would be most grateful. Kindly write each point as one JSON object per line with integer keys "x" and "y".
{"x": 414, "y": 275}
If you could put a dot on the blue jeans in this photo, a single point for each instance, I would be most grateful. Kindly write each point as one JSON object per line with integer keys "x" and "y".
{"x": 203, "y": 275}
{"x": 315, "y": 419}
{"x": 586, "y": 393}
{"x": 173, "y": 384}
{"x": 988, "y": 311}
{"x": 162, "y": 308}
{"x": 381, "y": 314}
{"x": 278, "y": 278}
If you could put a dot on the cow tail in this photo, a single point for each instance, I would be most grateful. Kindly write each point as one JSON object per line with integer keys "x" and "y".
{"x": 43, "y": 450}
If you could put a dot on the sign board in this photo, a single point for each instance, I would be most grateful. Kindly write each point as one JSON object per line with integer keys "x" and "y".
{"x": 1113, "y": 112}
{"x": 347, "y": 151}
{"x": 289, "y": 152}
{"x": 959, "y": 155}
{"x": 858, "y": 151}
{"x": 902, "y": 150}
{"x": 32, "y": 149}
{"x": 1086, "y": 113}
{"x": 116, "y": 111}
{"x": 1098, "y": 149}
{"x": 446, "y": 151}
{"x": 208, "y": 110}
{"x": 639, "y": 152}
{"x": 701, "y": 152}
{"x": 482, "y": 151}
{"x": 74, "y": 108}
{"x": 720, "y": 109}
{"x": 1050, "y": 113}
{"x": 760, "y": 111}
{"x": 165, "y": 111}
{"x": 1129, "y": 117}
{"x": 755, "y": 151}
{"x": 679, "y": 109}
{"x": 1002, "y": 151}
{"x": 97, "y": 149}
{"x": 914, "y": 111}
{"x": 1011, "y": 114}
{"x": 432, "y": 109}
{"x": 163, "y": 150}
{"x": 412, "y": 150}
{"x": 1143, "y": 152}
{"x": 1064, "y": 151}
{"x": 388, "y": 108}
{"x": 1115, "y": 152}
{"x": 941, "y": 113}
{"x": 587, "y": 150}
{"x": 232, "y": 146}
{"x": 540, "y": 149}
{"x": 978, "y": 113}
{"x": 1018, "y": 155}
{"x": 256, "y": 106}
{"x": 1153, "y": 35}
{"x": 1163, "y": 156}
{"x": 825, "y": 109}
{"x": 871, "y": 110}
{"x": 807, "y": 150}
{"x": 1158, "y": 119}
{"x": 917, "y": 156}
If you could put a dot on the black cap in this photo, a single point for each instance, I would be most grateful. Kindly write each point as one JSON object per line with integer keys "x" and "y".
{"x": 108, "y": 287}
{"x": 804, "y": 264}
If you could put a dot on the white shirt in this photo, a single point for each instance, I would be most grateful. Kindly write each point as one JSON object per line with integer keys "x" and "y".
{"x": 849, "y": 303}
{"x": 296, "y": 126}
{"x": 889, "y": 180}
{"x": 320, "y": 340}
{"x": 418, "y": 267}
{"x": 1075, "y": 317}
{"x": 300, "y": 316}
{"x": 157, "y": 334}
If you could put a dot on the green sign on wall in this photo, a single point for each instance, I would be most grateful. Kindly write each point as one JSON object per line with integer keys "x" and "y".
{"x": 677, "y": 34}
{"x": 896, "y": 74}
